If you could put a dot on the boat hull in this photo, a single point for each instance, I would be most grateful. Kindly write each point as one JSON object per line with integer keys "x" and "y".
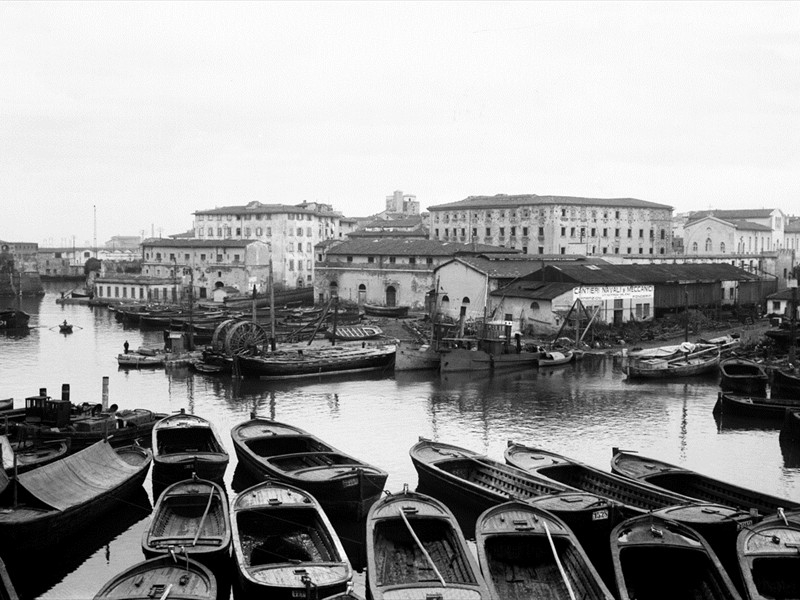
{"x": 743, "y": 377}
{"x": 185, "y": 445}
{"x": 314, "y": 363}
{"x": 753, "y": 407}
{"x": 412, "y": 356}
{"x": 461, "y": 359}
{"x": 768, "y": 557}
{"x": 182, "y": 579}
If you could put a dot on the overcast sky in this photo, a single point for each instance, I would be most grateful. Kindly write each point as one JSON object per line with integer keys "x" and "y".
{"x": 142, "y": 113}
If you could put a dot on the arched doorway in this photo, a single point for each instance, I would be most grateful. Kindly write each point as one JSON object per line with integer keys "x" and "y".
{"x": 362, "y": 293}
{"x": 391, "y": 296}
{"x": 333, "y": 289}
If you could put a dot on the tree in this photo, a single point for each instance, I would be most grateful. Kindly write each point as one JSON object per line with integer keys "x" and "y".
{"x": 92, "y": 264}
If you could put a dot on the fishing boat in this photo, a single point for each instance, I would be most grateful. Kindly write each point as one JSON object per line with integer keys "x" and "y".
{"x": 743, "y": 376}
{"x": 701, "y": 362}
{"x": 416, "y": 356}
{"x": 555, "y": 358}
{"x": 695, "y": 485}
{"x": 754, "y": 407}
{"x": 315, "y": 362}
{"x": 57, "y": 500}
{"x": 415, "y": 549}
{"x": 7, "y": 590}
{"x": 342, "y": 483}
{"x": 27, "y": 454}
{"x": 185, "y": 444}
{"x": 352, "y": 333}
{"x": 162, "y": 578}
{"x": 526, "y": 552}
{"x": 190, "y": 516}
{"x": 140, "y": 361}
{"x": 493, "y": 348}
{"x": 643, "y": 546}
{"x": 786, "y": 383}
{"x": 769, "y": 558}
{"x": 284, "y": 545}
{"x": 375, "y": 310}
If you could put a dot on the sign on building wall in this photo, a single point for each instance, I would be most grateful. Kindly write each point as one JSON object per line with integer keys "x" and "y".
{"x": 593, "y": 293}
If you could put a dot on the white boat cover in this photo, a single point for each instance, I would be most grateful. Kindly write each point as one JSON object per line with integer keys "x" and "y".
{"x": 79, "y": 477}
{"x": 7, "y": 452}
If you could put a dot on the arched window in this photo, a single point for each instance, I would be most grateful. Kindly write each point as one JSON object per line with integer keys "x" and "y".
{"x": 694, "y": 247}
{"x": 708, "y": 245}
{"x": 333, "y": 288}
{"x": 465, "y": 300}
{"x": 722, "y": 247}
{"x": 362, "y": 293}
{"x": 445, "y": 298}
{"x": 534, "y": 306}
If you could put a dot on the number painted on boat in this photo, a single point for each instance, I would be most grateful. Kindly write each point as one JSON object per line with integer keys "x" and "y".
{"x": 350, "y": 482}
{"x": 600, "y": 515}
{"x": 743, "y": 524}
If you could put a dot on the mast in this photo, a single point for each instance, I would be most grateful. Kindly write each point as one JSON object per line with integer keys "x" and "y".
{"x": 271, "y": 308}
{"x": 94, "y": 240}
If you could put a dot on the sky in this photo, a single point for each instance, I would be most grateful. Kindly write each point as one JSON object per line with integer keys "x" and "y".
{"x": 124, "y": 118}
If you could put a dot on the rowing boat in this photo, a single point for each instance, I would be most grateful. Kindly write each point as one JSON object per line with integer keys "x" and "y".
{"x": 769, "y": 557}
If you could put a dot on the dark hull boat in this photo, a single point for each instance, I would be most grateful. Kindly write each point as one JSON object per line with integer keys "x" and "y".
{"x": 415, "y": 549}
{"x": 702, "y": 362}
{"x": 57, "y": 500}
{"x": 164, "y": 577}
{"x": 14, "y": 319}
{"x": 769, "y": 559}
{"x": 185, "y": 444}
{"x": 643, "y": 547}
{"x": 26, "y": 455}
{"x": 526, "y": 552}
{"x": 461, "y": 359}
{"x": 375, "y": 310}
{"x": 190, "y": 517}
{"x": 7, "y": 590}
{"x": 753, "y": 407}
{"x": 743, "y": 377}
{"x": 790, "y": 428}
{"x": 695, "y": 485}
{"x": 284, "y": 545}
{"x": 786, "y": 384}
{"x": 342, "y": 483}
{"x": 315, "y": 362}
{"x": 415, "y": 356}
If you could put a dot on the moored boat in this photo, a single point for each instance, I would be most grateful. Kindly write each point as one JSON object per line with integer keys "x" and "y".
{"x": 493, "y": 348}
{"x": 190, "y": 517}
{"x": 376, "y": 310}
{"x": 160, "y": 578}
{"x": 14, "y": 319}
{"x": 753, "y": 407}
{"x": 139, "y": 361}
{"x": 56, "y": 500}
{"x": 790, "y": 428}
{"x": 25, "y": 455}
{"x": 555, "y": 358}
{"x": 526, "y": 552}
{"x": 643, "y": 547}
{"x": 284, "y": 545}
{"x": 185, "y": 444}
{"x": 351, "y": 333}
{"x": 786, "y": 383}
{"x": 769, "y": 559}
{"x": 415, "y": 356}
{"x": 700, "y": 362}
{"x": 695, "y": 485}
{"x": 743, "y": 376}
{"x": 342, "y": 483}
{"x": 415, "y": 549}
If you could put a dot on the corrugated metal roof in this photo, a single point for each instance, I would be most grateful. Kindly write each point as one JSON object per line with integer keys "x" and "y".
{"x": 407, "y": 247}
{"x": 505, "y": 201}
{"x": 504, "y": 266}
{"x": 643, "y": 274}
{"x": 535, "y": 290}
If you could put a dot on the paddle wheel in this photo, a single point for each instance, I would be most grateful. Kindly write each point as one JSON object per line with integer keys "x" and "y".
{"x": 243, "y": 337}
{"x": 220, "y": 334}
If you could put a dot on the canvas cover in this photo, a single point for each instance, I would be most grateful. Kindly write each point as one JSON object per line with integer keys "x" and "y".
{"x": 78, "y": 478}
{"x": 7, "y": 452}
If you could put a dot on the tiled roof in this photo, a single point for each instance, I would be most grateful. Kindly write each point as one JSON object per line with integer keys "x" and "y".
{"x": 258, "y": 208}
{"x": 535, "y": 290}
{"x": 504, "y": 201}
{"x": 727, "y": 215}
{"x": 643, "y": 274}
{"x": 749, "y": 226}
{"x": 196, "y": 243}
{"x": 792, "y": 226}
{"x": 504, "y": 266}
{"x": 407, "y": 247}
{"x": 784, "y": 294}
{"x": 419, "y": 233}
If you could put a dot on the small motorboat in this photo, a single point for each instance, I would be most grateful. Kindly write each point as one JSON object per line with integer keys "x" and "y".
{"x": 170, "y": 576}
{"x": 769, "y": 558}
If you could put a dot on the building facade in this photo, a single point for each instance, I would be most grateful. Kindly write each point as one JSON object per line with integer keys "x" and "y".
{"x": 557, "y": 224}
{"x": 290, "y": 232}
{"x": 748, "y": 231}
{"x": 400, "y": 203}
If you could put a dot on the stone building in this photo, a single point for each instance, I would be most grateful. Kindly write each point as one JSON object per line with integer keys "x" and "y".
{"x": 557, "y": 224}
{"x": 749, "y": 231}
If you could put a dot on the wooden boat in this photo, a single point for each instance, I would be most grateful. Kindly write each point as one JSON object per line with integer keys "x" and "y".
{"x": 57, "y": 500}
{"x": 343, "y": 484}
{"x": 185, "y": 444}
{"x": 492, "y": 349}
{"x": 48, "y": 419}
{"x": 643, "y": 546}
{"x": 695, "y": 485}
{"x": 285, "y": 546}
{"x": 555, "y": 359}
{"x": 769, "y": 558}
{"x": 26, "y": 455}
{"x": 7, "y": 591}
{"x": 65, "y": 328}
{"x": 315, "y": 362}
{"x": 415, "y": 356}
{"x": 14, "y": 319}
{"x": 207, "y": 368}
{"x": 191, "y": 517}
{"x": 140, "y": 361}
{"x": 785, "y": 384}
{"x": 178, "y": 578}
{"x": 6, "y": 404}
{"x": 351, "y": 333}
{"x": 727, "y": 344}
{"x": 753, "y": 407}
{"x": 790, "y": 428}
{"x": 415, "y": 549}
{"x": 375, "y": 310}
{"x": 743, "y": 376}
{"x": 526, "y": 552}
{"x": 701, "y": 362}
{"x": 637, "y": 497}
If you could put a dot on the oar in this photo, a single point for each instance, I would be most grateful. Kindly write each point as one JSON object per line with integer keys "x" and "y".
{"x": 421, "y": 547}
{"x": 558, "y": 561}
{"x": 203, "y": 518}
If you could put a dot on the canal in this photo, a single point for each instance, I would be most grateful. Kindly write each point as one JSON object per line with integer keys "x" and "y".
{"x": 581, "y": 410}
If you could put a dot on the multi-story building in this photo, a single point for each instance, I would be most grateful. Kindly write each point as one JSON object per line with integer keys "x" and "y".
{"x": 791, "y": 235}
{"x": 400, "y": 203}
{"x": 734, "y": 231}
{"x": 290, "y": 233}
{"x": 557, "y": 224}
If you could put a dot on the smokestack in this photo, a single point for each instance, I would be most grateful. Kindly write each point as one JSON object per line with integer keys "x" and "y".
{"x": 105, "y": 393}
{"x": 43, "y": 391}
{"x": 65, "y": 392}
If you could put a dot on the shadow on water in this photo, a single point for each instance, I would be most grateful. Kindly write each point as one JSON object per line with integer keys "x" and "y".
{"x": 51, "y": 564}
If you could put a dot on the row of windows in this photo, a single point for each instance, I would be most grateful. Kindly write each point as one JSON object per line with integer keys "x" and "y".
{"x": 605, "y": 250}
{"x": 290, "y": 264}
{"x": 153, "y": 293}
{"x": 412, "y": 260}
{"x": 524, "y": 213}
{"x": 593, "y": 232}
{"x": 258, "y": 217}
{"x": 226, "y": 232}
{"x": 187, "y": 257}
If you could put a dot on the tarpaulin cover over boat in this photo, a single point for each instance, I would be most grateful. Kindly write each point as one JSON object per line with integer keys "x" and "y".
{"x": 7, "y": 452}
{"x": 78, "y": 478}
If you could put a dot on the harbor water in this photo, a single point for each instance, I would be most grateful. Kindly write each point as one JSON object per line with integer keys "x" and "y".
{"x": 581, "y": 410}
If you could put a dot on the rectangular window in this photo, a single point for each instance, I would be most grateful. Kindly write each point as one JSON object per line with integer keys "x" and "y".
{"x": 202, "y": 257}
{"x": 594, "y": 232}
{"x": 370, "y": 259}
{"x": 652, "y": 234}
{"x": 436, "y": 233}
{"x": 290, "y": 264}
{"x": 299, "y": 232}
{"x": 605, "y": 232}
{"x": 412, "y": 260}
{"x": 236, "y": 258}
{"x": 629, "y": 250}
{"x": 630, "y": 232}
{"x": 186, "y": 257}
{"x": 219, "y": 258}
{"x": 525, "y": 231}
{"x": 646, "y": 311}
{"x": 474, "y": 232}
{"x": 488, "y": 232}
{"x": 563, "y": 231}
{"x": 616, "y": 250}
{"x": 239, "y": 232}
{"x": 616, "y": 214}
{"x": 641, "y": 250}
{"x": 563, "y": 250}
{"x": 616, "y": 233}
{"x": 349, "y": 259}
{"x": 641, "y": 233}
{"x": 502, "y": 231}
{"x": 639, "y": 311}
{"x": 392, "y": 260}
{"x": 541, "y": 231}
{"x": 429, "y": 261}
{"x": 513, "y": 231}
